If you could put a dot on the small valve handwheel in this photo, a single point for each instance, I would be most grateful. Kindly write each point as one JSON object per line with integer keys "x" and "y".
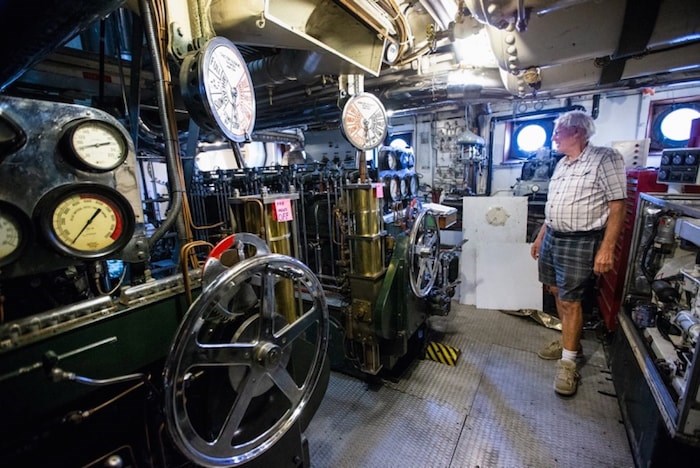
{"x": 236, "y": 382}
{"x": 424, "y": 253}
{"x": 229, "y": 251}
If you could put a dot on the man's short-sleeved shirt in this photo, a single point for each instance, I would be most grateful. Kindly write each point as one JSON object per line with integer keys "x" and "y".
{"x": 579, "y": 190}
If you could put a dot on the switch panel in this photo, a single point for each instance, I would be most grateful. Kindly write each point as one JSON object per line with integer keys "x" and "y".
{"x": 680, "y": 166}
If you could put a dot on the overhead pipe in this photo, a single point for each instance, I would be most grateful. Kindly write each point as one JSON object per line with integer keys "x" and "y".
{"x": 167, "y": 115}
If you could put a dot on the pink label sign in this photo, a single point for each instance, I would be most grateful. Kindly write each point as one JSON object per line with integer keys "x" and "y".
{"x": 379, "y": 190}
{"x": 283, "y": 210}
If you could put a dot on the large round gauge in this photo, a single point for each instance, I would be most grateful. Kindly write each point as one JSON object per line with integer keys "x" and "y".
{"x": 364, "y": 121}
{"x": 217, "y": 88}
{"x": 86, "y": 221}
{"x": 95, "y": 145}
{"x": 14, "y": 233}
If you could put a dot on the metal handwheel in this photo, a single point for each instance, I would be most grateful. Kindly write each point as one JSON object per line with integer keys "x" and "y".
{"x": 424, "y": 250}
{"x": 232, "y": 384}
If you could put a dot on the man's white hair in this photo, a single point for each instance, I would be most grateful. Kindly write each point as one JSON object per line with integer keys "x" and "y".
{"x": 577, "y": 119}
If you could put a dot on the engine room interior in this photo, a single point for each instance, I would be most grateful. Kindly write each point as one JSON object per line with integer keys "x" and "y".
{"x": 216, "y": 217}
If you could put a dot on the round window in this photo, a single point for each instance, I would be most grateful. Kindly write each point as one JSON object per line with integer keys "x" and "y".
{"x": 675, "y": 125}
{"x": 530, "y": 138}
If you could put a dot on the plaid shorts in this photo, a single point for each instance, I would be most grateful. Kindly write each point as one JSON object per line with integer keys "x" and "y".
{"x": 567, "y": 263}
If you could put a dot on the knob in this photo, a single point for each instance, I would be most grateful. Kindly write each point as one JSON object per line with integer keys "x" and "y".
{"x": 678, "y": 159}
{"x": 663, "y": 175}
{"x": 691, "y": 159}
{"x": 665, "y": 159}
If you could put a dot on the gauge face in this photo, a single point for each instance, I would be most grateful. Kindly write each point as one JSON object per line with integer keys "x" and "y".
{"x": 364, "y": 121}
{"x": 96, "y": 145}
{"x": 88, "y": 222}
{"x": 11, "y": 236}
{"x": 395, "y": 189}
{"x": 229, "y": 89}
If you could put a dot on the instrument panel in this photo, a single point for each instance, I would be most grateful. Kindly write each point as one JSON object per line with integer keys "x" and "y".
{"x": 68, "y": 188}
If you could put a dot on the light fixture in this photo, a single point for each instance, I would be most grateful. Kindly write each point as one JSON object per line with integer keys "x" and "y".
{"x": 475, "y": 50}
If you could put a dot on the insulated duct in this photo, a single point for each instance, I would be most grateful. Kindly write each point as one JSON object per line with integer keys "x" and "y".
{"x": 558, "y": 51}
{"x": 30, "y": 29}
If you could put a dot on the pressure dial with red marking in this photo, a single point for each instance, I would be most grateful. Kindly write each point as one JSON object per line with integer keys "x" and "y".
{"x": 87, "y": 221}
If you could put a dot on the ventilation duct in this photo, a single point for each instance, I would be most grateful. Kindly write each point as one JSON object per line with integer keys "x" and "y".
{"x": 314, "y": 25}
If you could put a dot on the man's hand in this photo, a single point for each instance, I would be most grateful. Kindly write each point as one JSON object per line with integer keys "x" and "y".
{"x": 603, "y": 260}
{"x": 535, "y": 249}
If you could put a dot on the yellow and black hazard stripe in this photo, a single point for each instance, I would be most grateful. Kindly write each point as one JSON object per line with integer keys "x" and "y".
{"x": 442, "y": 353}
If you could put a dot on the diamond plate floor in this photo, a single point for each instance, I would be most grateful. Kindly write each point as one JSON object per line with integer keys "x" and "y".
{"x": 496, "y": 408}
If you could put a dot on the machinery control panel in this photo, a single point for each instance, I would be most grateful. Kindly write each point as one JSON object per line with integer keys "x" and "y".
{"x": 680, "y": 166}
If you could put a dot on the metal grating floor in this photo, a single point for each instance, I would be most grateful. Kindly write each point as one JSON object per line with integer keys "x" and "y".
{"x": 496, "y": 408}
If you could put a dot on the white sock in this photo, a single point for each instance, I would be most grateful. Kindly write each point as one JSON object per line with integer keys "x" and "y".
{"x": 568, "y": 355}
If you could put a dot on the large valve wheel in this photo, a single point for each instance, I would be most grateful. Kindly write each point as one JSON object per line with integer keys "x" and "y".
{"x": 234, "y": 382}
{"x": 424, "y": 252}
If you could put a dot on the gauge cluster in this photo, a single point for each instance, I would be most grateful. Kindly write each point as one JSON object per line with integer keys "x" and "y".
{"x": 68, "y": 188}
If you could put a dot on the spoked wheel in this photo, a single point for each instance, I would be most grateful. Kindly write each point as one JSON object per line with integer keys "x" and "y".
{"x": 233, "y": 387}
{"x": 424, "y": 252}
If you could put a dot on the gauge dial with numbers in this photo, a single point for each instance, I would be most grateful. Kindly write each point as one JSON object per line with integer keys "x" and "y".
{"x": 95, "y": 145}
{"x": 12, "y": 235}
{"x": 87, "y": 221}
{"x": 364, "y": 121}
{"x": 217, "y": 88}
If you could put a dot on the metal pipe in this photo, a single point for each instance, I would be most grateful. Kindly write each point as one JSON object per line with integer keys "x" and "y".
{"x": 165, "y": 111}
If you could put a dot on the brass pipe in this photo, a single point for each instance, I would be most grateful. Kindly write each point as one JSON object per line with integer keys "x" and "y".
{"x": 185, "y": 252}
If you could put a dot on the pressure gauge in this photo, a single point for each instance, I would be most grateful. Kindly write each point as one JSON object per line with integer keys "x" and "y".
{"x": 86, "y": 221}
{"x": 14, "y": 233}
{"x": 364, "y": 121}
{"x": 218, "y": 90}
{"x": 95, "y": 145}
{"x": 395, "y": 189}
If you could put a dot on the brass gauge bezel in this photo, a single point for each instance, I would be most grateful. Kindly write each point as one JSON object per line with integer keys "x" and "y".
{"x": 364, "y": 121}
{"x": 218, "y": 90}
{"x": 22, "y": 224}
{"x": 104, "y": 155}
{"x": 67, "y": 214}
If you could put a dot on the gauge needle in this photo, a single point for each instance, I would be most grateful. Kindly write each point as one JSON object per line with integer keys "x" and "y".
{"x": 95, "y": 145}
{"x": 87, "y": 224}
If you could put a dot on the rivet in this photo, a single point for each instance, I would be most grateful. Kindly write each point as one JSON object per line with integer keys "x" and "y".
{"x": 510, "y": 39}
{"x": 512, "y": 50}
{"x": 491, "y": 8}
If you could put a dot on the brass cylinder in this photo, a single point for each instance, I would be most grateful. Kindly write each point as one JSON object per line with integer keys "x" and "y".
{"x": 366, "y": 257}
{"x": 365, "y": 211}
{"x": 365, "y": 243}
{"x": 279, "y": 236}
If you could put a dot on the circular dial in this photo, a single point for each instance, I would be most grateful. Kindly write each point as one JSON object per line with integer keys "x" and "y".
{"x": 394, "y": 189}
{"x": 364, "y": 121}
{"x": 88, "y": 221}
{"x": 97, "y": 145}
{"x": 12, "y": 234}
{"x": 217, "y": 78}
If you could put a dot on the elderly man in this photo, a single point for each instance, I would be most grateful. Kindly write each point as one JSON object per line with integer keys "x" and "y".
{"x": 583, "y": 218}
